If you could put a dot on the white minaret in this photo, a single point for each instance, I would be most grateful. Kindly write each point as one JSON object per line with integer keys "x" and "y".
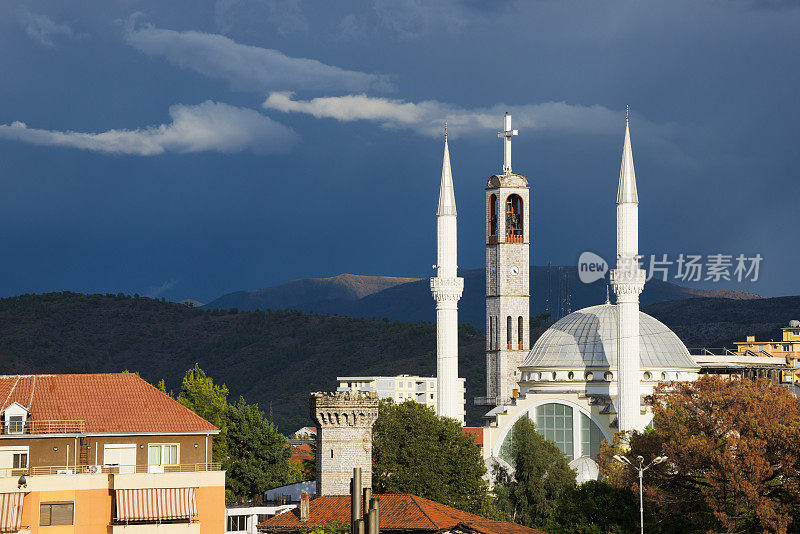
{"x": 628, "y": 281}
{"x": 446, "y": 288}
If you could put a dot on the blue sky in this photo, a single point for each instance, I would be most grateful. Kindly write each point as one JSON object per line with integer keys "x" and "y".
{"x": 186, "y": 149}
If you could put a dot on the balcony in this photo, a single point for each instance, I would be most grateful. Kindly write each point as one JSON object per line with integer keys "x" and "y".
{"x": 108, "y": 469}
{"x": 16, "y": 428}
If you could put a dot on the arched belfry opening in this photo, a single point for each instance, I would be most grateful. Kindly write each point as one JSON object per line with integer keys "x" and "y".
{"x": 514, "y": 218}
{"x": 493, "y": 218}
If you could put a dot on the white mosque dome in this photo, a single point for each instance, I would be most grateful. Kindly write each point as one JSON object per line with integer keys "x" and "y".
{"x": 588, "y": 338}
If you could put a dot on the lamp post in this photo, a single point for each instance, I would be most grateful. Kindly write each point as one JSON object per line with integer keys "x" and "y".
{"x": 641, "y": 468}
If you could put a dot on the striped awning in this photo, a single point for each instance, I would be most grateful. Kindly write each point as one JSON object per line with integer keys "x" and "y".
{"x": 10, "y": 511}
{"x": 156, "y": 504}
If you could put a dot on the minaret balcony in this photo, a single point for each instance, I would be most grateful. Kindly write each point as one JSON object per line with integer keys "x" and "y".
{"x": 447, "y": 288}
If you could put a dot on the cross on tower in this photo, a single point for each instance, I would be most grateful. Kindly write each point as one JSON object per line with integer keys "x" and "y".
{"x": 506, "y": 136}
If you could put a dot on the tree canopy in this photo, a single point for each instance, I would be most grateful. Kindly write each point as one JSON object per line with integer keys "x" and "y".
{"x": 209, "y": 401}
{"x": 541, "y": 477}
{"x": 734, "y": 456}
{"x": 417, "y": 452}
{"x": 258, "y": 458}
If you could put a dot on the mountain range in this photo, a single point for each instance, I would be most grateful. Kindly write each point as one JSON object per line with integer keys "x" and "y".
{"x": 409, "y": 299}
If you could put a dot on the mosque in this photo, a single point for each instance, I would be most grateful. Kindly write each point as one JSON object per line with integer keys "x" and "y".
{"x": 586, "y": 377}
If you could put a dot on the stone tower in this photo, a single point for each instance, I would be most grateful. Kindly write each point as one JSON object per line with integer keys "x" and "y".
{"x": 628, "y": 281}
{"x": 507, "y": 277}
{"x": 446, "y": 288}
{"x": 344, "y": 438}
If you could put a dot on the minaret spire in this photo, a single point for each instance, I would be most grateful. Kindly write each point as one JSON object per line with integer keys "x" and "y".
{"x": 447, "y": 196}
{"x": 446, "y": 288}
{"x": 628, "y": 281}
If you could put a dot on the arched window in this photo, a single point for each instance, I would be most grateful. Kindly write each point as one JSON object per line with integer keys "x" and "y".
{"x": 491, "y": 332}
{"x": 514, "y": 218}
{"x": 493, "y": 218}
{"x": 509, "y": 337}
{"x": 519, "y": 332}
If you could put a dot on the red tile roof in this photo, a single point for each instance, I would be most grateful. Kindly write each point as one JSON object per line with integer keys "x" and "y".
{"x": 476, "y": 431}
{"x": 119, "y": 402}
{"x": 397, "y": 513}
{"x": 301, "y": 452}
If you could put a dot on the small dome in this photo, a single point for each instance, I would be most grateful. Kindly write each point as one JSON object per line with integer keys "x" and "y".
{"x": 588, "y": 338}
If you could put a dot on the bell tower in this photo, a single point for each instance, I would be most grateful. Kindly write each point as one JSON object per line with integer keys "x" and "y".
{"x": 507, "y": 277}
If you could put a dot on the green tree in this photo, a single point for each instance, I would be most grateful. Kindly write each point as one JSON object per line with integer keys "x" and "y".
{"x": 419, "y": 453}
{"x": 540, "y": 478}
{"x": 595, "y": 507}
{"x": 258, "y": 458}
{"x": 209, "y": 401}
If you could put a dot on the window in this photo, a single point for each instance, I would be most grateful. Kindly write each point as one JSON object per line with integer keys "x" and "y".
{"x": 15, "y": 424}
{"x": 264, "y": 517}
{"x": 19, "y": 460}
{"x": 787, "y": 348}
{"x": 591, "y": 437}
{"x": 508, "y": 331}
{"x": 237, "y": 523}
{"x": 493, "y": 217}
{"x": 163, "y": 454}
{"x": 519, "y": 332}
{"x": 431, "y": 395}
{"x": 56, "y": 513}
{"x": 554, "y": 422}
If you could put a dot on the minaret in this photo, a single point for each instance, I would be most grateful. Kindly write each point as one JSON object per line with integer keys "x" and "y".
{"x": 628, "y": 281}
{"x": 507, "y": 277}
{"x": 446, "y": 288}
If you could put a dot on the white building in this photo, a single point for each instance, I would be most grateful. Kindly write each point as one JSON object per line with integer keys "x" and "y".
{"x": 585, "y": 377}
{"x": 400, "y": 388}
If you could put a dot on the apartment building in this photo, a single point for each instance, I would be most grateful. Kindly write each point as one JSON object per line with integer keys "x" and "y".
{"x": 788, "y": 347}
{"x": 421, "y": 389}
{"x": 104, "y": 453}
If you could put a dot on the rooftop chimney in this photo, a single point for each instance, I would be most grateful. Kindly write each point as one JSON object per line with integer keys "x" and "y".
{"x": 305, "y": 506}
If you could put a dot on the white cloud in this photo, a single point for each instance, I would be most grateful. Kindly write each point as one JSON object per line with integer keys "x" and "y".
{"x": 248, "y": 68}
{"x": 210, "y": 126}
{"x": 42, "y": 29}
{"x": 427, "y": 117}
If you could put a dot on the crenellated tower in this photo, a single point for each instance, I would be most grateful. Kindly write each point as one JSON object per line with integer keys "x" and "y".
{"x": 344, "y": 438}
{"x": 507, "y": 277}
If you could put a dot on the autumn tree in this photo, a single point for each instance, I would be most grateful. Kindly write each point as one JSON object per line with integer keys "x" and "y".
{"x": 733, "y": 448}
{"x": 540, "y": 478}
{"x": 417, "y": 452}
{"x": 209, "y": 401}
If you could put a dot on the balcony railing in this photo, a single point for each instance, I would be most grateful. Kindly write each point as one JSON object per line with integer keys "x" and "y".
{"x": 12, "y": 428}
{"x": 108, "y": 469}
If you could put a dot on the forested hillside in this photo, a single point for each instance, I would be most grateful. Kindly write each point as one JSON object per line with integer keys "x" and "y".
{"x": 276, "y": 358}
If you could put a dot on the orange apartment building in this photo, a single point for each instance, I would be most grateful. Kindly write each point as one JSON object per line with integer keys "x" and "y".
{"x": 788, "y": 347}
{"x": 104, "y": 453}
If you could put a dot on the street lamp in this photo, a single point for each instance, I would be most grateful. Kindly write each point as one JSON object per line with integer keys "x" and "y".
{"x": 641, "y": 468}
